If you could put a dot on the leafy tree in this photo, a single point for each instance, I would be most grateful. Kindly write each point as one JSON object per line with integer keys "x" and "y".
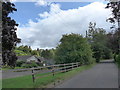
{"x": 113, "y": 41}
{"x": 35, "y": 52}
{"x": 9, "y": 36}
{"x": 98, "y": 39}
{"x": 48, "y": 54}
{"x": 73, "y": 48}
{"x": 115, "y": 8}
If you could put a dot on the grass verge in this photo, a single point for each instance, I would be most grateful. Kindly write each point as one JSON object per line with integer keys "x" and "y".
{"x": 26, "y": 81}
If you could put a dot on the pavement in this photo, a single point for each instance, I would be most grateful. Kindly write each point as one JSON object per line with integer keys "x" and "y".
{"x": 102, "y": 75}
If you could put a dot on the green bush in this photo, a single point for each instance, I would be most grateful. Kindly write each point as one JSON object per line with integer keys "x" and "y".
{"x": 19, "y": 63}
{"x": 29, "y": 65}
{"x": 39, "y": 64}
{"x": 115, "y": 57}
{"x": 118, "y": 60}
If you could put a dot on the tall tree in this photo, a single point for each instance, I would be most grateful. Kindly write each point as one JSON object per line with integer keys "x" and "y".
{"x": 73, "y": 48}
{"x": 47, "y": 54}
{"x": 115, "y": 7}
{"x": 9, "y": 36}
{"x": 97, "y": 39}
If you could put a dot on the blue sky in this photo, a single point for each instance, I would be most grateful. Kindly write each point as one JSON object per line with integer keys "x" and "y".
{"x": 42, "y": 26}
{"x": 28, "y": 10}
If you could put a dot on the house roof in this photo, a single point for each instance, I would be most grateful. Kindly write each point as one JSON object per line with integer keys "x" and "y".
{"x": 24, "y": 58}
{"x": 40, "y": 58}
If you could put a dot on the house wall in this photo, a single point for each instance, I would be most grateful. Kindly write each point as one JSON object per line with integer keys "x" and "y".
{"x": 32, "y": 59}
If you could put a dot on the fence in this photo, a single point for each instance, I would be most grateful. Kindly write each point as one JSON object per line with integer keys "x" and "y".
{"x": 50, "y": 70}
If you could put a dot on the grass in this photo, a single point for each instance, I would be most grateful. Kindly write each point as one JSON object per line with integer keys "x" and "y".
{"x": 26, "y": 81}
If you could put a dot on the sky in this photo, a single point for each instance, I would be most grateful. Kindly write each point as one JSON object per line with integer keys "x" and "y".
{"x": 42, "y": 24}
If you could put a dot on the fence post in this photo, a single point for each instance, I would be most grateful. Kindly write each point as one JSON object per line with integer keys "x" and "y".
{"x": 64, "y": 67}
{"x": 77, "y": 64}
{"x": 72, "y": 65}
{"x": 33, "y": 76}
{"x": 53, "y": 74}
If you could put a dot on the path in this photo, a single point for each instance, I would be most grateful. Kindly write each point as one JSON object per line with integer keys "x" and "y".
{"x": 103, "y": 75}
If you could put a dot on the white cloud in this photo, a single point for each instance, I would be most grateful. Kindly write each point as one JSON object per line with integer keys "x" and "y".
{"x": 41, "y": 3}
{"x": 54, "y": 9}
{"x": 47, "y": 32}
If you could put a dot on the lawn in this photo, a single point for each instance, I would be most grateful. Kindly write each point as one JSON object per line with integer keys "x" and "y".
{"x": 26, "y": 81}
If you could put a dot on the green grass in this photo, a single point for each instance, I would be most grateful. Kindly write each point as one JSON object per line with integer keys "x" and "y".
{"x": 26, "y": 81}
{"x": 20, "y": 53}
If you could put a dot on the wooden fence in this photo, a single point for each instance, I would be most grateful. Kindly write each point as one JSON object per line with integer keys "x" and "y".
{"x": 50, "y": 70}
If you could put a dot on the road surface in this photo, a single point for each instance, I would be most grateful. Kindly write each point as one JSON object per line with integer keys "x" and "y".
{"x": 11, "y": 74}
{"x": 103, "y": 75}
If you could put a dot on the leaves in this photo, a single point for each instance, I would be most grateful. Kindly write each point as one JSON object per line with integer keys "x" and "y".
{"x": 9, "y": 36}
{"x": 73, "y": 48}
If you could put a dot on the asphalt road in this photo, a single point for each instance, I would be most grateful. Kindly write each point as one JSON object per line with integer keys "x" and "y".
{"x": 103, "y": 75}
{"x": 11, "y": 74}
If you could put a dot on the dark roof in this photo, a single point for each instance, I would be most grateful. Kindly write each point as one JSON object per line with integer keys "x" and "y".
{"x": 24, "y": 58}
{"x": 40, "y": 58}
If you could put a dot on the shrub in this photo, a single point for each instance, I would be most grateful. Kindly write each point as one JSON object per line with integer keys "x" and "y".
{"x": 39, "y": 64}
{"x": 29, "y": 65}
{"x": 118, "y": 60}
{"x": 33, "y": 64}
{"x": 115, "y": 57}
{"x": 19, "y": 63}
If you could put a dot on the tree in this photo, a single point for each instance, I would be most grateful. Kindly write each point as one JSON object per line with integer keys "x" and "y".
{"x": 48, "y": 54}
{"x": 9, "y": 36}
{"x": 35, "y": 52}
{"x": 73, "y": 48}
{"x": 98, "y": 39}
{"x": 115, "y": 8}
{"x": 112, "y": 42}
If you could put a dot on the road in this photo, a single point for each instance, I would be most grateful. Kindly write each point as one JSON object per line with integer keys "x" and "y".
{"x": 102, "y": 75}
{"x": 11, "y": 74}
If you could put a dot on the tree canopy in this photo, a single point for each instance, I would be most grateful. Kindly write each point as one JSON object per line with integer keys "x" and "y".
{"x": 73, "y": 48}
{"x": 9, "y": 36}
{"x": 97, "y": 37}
